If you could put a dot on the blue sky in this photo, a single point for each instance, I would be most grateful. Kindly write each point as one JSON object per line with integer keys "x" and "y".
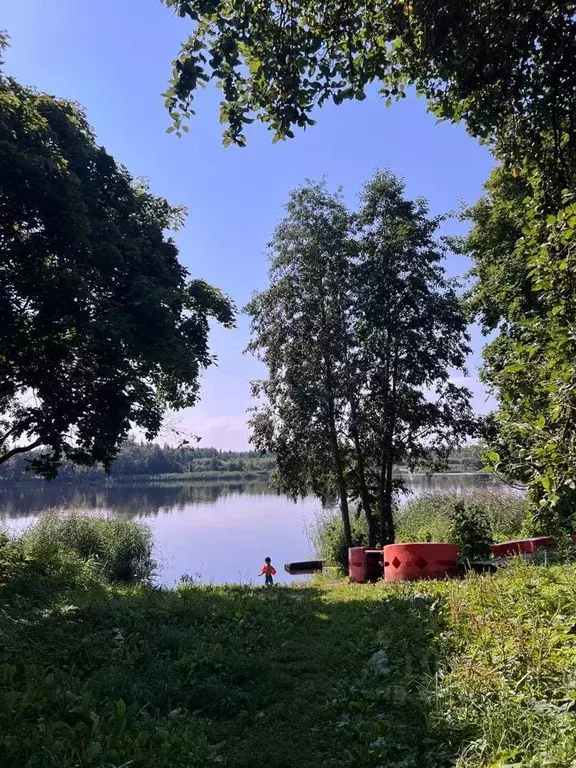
{"x": 114, "y": 57}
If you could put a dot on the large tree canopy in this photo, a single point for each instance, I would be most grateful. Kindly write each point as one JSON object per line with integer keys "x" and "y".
{"x": 495, "y": 65}
{"x": 100, "y": 328}
{"x": 529, "y": 365}
{"x": 360, "y": 330}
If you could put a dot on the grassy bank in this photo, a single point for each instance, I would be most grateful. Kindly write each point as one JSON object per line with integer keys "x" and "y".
{"x": 204, "y": 477}
{"x": 471, "y": 520}
{"x": 479, "y": 673}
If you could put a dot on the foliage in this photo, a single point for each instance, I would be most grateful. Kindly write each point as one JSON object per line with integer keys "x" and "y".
{"x": 120, "y": 548}
{"x": 146, "y": 460}
{"x": 431, "y": 517}
{"x": 508, "y": 72}
{"x": 464, "y": 674}
{"x": 360, "y": 331}
{"x": 329, "y": 542}
{"x": 529, "y": 364}
{"x": 277, "y": 63}
{"x": 473, "y": 520}
{"x": 100, "y": 328}
{"x": 472, "y": 531}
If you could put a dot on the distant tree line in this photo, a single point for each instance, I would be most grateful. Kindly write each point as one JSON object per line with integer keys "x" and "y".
{"x": 148, "y": 459}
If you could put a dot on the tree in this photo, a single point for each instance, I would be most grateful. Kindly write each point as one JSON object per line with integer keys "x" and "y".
{"x": 360, "y": 331}
{"x": 299, "y": 330}
{"x": 100, "y": 327}
{"x": 528, "y": 365}
{"x": 410, "y": 336}
{"x": 494, "y": 66}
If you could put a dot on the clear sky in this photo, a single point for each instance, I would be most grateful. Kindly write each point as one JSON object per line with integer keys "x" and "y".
{"x": 114, "y": 57}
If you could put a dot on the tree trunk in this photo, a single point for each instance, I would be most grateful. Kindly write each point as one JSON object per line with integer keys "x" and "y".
{"x": 387, "y": 531}
{"x": 385, "y": 496}
{"x": 364, "y": 493}
{"x": 386, "y": 508}
{"x": 337, "y": 456}
{"x": 339, "y": 467}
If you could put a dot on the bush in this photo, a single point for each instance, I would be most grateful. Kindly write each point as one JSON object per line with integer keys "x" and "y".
{"x": 121, "y": 548}
{"x": 472, "y": 520}
{"x": 432, "y": 517}
{"x": 472, "y": 531}
{"x": 328, "y": 538}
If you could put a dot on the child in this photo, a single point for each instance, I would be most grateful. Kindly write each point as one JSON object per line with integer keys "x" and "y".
{"x": 268, "y": 571}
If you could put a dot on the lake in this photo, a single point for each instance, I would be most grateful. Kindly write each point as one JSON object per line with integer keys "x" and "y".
{"x": 215, "y": 533}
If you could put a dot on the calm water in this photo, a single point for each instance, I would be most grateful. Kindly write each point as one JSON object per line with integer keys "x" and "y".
{"x": 215, "y": 533}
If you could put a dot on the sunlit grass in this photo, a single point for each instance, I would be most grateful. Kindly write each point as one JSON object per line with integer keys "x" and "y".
{"x": 476, "y": 673}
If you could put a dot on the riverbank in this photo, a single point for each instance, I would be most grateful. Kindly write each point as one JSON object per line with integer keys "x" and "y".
{"x": 475, "y": 673}
{"x": 200, "y": 477}
{"x": 208, "y": 477}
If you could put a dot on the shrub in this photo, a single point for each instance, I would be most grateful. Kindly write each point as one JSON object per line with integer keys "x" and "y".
{"x": 328, "y": 538}
{"x": 121, "y": 548}
{"x": 432, "y": 518}
{"x": 472, "y": 520}
{"x": 471, "y": 530}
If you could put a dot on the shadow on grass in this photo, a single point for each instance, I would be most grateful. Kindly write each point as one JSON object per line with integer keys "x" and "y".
{"x": 305, "y": 677}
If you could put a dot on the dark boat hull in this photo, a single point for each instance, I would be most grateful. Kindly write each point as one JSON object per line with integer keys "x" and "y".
{"x": 302, "y": 567}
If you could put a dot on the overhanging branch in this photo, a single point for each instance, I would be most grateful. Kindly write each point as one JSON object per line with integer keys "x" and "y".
{"x": 20, "y": 449}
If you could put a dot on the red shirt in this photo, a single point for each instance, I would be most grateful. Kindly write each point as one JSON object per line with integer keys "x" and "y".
{"x": 269, "y": 570}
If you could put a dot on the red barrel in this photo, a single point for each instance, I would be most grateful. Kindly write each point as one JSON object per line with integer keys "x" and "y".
{"x": 521, "y": 546}
{"x": 357, "y": 564}
{"x": 374, "y": 559}
{"x": 430, "y": 560}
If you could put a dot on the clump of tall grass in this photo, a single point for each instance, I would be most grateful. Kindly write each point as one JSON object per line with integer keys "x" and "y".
{"x": 431, "y": 517}
{"x": 472, "y": 520}
{"x": 120, "y": 548}
{"x": 328, "y": 538}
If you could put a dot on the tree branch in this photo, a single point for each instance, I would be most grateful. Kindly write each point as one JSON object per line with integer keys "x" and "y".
{"x": 21, "y": 449}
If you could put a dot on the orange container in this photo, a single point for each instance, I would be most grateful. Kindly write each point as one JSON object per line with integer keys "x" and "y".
{"x": 521, "y": 546}
{"x": 357, "y": 564}
{"x": 426, "y": 560}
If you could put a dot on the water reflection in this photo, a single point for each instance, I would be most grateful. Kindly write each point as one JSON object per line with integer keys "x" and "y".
{"x": 133, "y": 500}
{"x": 454, "y": 482}
{"x": 221, "y": 531}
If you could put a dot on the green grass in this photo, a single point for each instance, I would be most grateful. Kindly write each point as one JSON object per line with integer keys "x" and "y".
{"x": 428, "y": 518}
{"x": 479, "y": 673}
{"x": 431, "y": 517}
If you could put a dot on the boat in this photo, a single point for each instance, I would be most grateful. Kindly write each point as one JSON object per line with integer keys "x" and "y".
{"x": 303, "y": 566}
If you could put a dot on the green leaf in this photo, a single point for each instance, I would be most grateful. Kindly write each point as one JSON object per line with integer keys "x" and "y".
{"x": 514, "y": 368}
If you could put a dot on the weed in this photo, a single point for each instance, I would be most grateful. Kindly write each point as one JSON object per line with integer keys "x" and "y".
{"x": 121, "y": 547}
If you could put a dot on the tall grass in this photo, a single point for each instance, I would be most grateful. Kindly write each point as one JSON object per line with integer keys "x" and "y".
{"x": 432, "y": 517}
{"x": 121, "y": 549}
{"x": 471, "y": 673}
{"x": 328, "y": 538}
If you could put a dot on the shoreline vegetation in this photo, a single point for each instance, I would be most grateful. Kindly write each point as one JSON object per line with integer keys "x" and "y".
{"x": 153, "y": 463}
{"x": 473, "y": 673}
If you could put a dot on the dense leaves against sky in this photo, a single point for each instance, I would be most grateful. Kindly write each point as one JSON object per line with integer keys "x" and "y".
{"x": 486, "y": 63}
{"x": 507, "y": 71}
{"x": 100, "y": 328}
{"x": 360, "y": 331}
